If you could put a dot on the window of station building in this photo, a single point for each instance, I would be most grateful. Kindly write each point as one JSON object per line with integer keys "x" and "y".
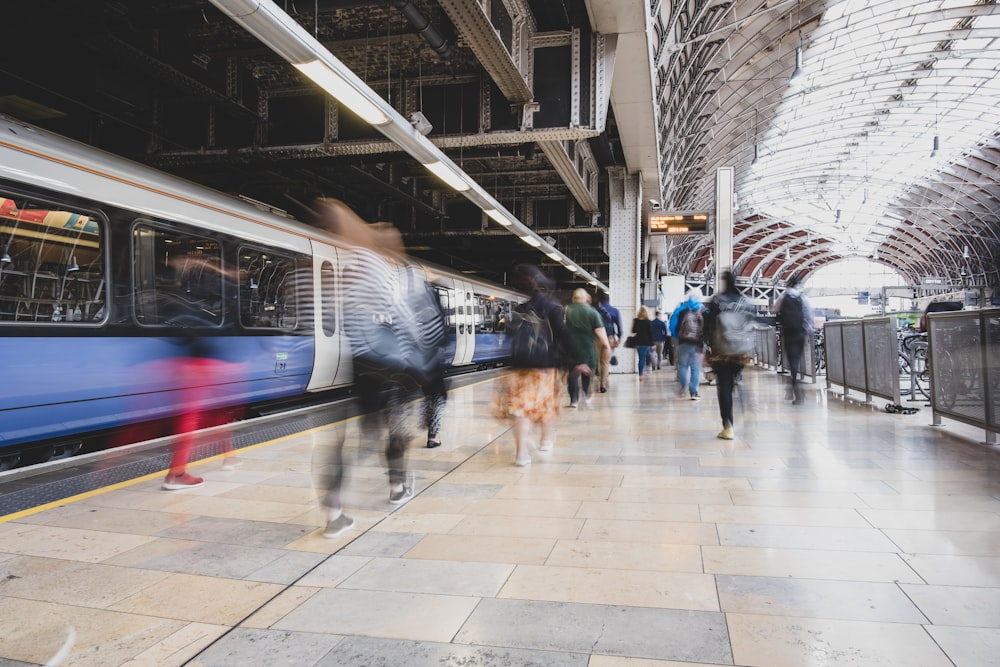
{"x": 270, "y": 289}
{"x": 52, "y": 267}
{"x": 178, "y": 277}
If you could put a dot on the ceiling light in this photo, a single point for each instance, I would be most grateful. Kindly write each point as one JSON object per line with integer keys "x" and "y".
{"x": 936, "y": 145}
{"x": 448, "y": 175}
{"x": 554, "y": 256}
{"x": 965, "y": 252}
{"x": 498, "y": 216}
{"x": 531, "y": 240}
{"x": 348, "y": 95}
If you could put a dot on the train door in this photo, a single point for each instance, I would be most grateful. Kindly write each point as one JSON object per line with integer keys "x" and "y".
{"x": 465, "y": 339}
{"x": 332, "y": 347}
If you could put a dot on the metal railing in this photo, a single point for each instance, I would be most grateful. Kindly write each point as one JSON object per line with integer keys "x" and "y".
{"x": 862, "y": 355}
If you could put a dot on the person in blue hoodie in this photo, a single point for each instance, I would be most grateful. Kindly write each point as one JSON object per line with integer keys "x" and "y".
{"x": 687, "y": 327}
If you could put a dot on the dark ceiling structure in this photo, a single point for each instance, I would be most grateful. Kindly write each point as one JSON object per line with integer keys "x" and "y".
{"x": 177, "y": 85}
{"x": 855, "y": 128}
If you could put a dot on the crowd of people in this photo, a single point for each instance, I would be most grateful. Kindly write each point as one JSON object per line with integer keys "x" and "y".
{"x": 560, "y": 355}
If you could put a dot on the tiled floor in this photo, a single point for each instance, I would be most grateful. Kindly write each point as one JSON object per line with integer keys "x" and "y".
{"x": 826, "y": 534}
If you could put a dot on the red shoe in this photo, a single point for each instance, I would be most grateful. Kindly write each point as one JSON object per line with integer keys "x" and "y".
{"x": 181, "y": 481}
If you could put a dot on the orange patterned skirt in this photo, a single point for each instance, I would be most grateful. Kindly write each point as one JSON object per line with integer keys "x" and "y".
{"x": 529, "y": 392}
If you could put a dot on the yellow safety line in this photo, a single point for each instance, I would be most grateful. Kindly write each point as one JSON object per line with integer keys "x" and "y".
{"x": 154, "y": 475}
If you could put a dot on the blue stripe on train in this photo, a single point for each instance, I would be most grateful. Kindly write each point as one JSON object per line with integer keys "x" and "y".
{"x": 58, "y": 387}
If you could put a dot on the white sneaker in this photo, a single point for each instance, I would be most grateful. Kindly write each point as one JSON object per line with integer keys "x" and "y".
{"x": 546, "y": 445}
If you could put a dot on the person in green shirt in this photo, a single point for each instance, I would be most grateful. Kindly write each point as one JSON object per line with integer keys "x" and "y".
{"x": 591, "y": 338}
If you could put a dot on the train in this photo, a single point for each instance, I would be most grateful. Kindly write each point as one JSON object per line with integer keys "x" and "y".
{"x": 111, "y": 269}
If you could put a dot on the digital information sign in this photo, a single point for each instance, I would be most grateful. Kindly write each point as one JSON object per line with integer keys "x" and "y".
{"x": 678, "y": 223}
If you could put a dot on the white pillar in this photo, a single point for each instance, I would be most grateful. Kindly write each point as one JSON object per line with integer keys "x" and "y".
{"x": 724, "y": 179}
{"x": 624, "y": 245}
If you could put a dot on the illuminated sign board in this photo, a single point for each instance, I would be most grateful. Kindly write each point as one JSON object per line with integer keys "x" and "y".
{"x": 678, "y": 223}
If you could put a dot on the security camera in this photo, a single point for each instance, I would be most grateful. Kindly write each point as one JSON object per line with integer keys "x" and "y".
{"x": 655, "y": 205}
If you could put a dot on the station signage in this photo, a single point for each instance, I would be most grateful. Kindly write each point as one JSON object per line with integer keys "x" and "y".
{"x": 678, "y": 223}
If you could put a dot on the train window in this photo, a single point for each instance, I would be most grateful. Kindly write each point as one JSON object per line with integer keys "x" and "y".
{"x": 484, "y": 314}
{"x": 178, "y": 278}
{"x": 270, "y": 288}
{"x": 447, "y": 307}
{"x": 52, "y": 262}
{"x": 502, "y": 315}
{"x": 327, "y": 298}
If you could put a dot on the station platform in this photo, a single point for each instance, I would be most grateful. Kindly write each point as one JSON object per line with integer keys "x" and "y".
{"x": 831, "y": 533}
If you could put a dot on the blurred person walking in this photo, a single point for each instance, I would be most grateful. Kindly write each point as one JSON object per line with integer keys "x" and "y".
{"x": 660, "y": 333}
{"x": 729, "y": 330}
{"x": 591, "y": 338}
{"x": 391, "y": 361}
{"x": 540, "y": 344}
{"x": 614, "y": 331}
{"x": 687, "y": 326}
{"x": 642, "y": 338}
{"x": 796, "y": 320}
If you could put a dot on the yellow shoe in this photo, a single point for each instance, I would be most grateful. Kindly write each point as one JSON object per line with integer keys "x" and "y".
{"x": 727, "y": 432}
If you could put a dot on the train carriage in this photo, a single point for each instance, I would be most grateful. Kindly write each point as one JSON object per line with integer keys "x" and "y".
{"x": 110, "y": 270}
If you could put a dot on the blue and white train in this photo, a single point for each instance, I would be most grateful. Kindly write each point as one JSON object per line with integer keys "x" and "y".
{"x": 110, "y": 269}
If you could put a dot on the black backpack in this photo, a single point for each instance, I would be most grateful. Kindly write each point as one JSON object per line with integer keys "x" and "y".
{"x": 531, "y": 340}
{"x": 792, "y": 314}
{"x": 692, "y": 326}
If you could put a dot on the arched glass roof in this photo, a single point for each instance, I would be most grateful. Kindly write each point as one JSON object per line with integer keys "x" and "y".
{"x": 857, "y": 128}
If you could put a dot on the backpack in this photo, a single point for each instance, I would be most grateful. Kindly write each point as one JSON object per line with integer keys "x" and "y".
{"x": 692, "y": 326}
{"x": 609, "y": 322}
{"x": 733, "y": 334}
{"x": 531, "y": 340}
{"x": 792, "y": 314}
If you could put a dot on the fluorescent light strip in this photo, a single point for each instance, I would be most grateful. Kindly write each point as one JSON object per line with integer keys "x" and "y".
{"x": 330, "y": 81}
{"x": 554, "y": 256}
{"x": 498, "y": 216}
{"x": 448, "y": 175}
{"x": 531, "y": 240}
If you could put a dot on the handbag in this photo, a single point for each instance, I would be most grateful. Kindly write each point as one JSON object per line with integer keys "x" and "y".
{"x": 630, "y": 342}
{"x": 613, "y": 361}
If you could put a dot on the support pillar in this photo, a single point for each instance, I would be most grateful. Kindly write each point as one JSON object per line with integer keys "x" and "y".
{"x": 624, "y": 254}
{"x": 724, "y": 199}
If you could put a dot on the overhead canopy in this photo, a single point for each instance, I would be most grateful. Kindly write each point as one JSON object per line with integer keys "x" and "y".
{"x": 857, "y": 129}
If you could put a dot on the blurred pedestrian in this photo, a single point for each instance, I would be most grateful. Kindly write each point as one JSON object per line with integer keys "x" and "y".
{"x": 796, "y": 320}
{"x": 729, "y": 330}
{"x": 541, "y": 345}
{"x": 431, "y": 320}
{"x": 386, "y": 347}
{"x": 642, "y": 332}
{"x": 613, "y": 328}
{"x": 591, "y": 339}
{"x": 687, "y": 325}
{"x": 659, "y": 330}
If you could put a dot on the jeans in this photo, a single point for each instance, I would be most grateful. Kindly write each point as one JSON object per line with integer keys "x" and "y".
{"x": 725, "y": 372}
{"x": 689, "y": 367}
{"x": 643, "y": 352}
{"x": 793, "y": 348}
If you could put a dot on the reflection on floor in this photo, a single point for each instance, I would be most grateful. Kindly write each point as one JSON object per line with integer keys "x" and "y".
{"x": 825, "y": 534}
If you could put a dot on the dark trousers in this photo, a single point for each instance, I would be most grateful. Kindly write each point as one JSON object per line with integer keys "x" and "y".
{"x": 793, "y": 349}
{"x": 725, "y": 375}
{"x": 576, "y": 378}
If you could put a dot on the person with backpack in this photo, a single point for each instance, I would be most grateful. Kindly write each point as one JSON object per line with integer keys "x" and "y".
{"x": 660, "y": 333}
{"x": 687, "y": 326}
{"x": 729, "y": 332}
{"x": 541, "y": 347}
{"x": 613, "y": 328}
{"x": 795, "y": 319}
